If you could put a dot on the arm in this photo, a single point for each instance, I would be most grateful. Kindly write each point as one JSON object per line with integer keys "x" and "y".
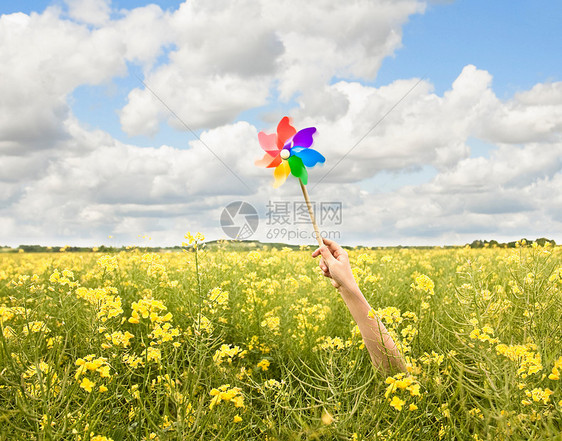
{"x": 382, "y": 349}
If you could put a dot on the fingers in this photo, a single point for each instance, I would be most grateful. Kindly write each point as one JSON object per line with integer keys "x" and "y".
{"x": 334, "y": 247}
{"x": 327, "y": 255}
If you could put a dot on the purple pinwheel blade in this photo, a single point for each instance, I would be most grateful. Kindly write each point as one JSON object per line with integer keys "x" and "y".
{"x": 303, "y": 138}
{"x": 310, "y": 157}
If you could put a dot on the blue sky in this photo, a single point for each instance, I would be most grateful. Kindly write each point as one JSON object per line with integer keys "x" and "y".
{"x": 515, "y": 40}
{"x": 427, "y": 174}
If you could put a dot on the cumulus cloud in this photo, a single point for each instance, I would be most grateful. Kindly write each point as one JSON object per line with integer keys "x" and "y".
{"x": 95, "y": 12}
{"x": 290, "y": 48}
{"x": 44, "y": 59}
{"x": 115, "y": 184}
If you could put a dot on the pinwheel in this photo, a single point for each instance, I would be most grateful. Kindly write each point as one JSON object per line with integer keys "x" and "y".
{"x": 289, "y": 152}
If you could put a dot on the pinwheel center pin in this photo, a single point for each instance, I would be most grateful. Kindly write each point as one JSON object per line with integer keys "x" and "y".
{"x": 289, "y": 152}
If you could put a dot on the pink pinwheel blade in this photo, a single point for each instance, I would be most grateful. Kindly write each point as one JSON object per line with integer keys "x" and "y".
{"x": 284, "y": 131}
{"x": 304, "y": 137}
{"x": 268, "y": 143}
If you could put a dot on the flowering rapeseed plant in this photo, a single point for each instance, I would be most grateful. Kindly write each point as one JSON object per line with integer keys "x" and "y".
{"x": 148, "y": 337}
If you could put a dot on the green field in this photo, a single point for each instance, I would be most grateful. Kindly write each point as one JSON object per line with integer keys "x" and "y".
{"x": 255, "y": 344}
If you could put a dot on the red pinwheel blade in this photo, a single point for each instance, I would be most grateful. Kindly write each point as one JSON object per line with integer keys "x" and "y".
{"x": 304, "y": 137}
{"x": 268, "y": 161}
{"x": 276, "y": 161}
{"x": 284, "y": 131}
{"x": 267, "y": 143}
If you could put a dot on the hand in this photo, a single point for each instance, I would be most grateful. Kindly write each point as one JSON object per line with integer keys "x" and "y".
{"x": 335, "y": 264}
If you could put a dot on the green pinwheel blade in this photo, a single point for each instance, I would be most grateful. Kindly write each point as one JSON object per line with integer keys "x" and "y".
{"x": 298, "y": 169}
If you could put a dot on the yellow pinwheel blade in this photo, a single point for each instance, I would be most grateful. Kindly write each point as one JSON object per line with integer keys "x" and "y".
{"x": 280, "y": 173}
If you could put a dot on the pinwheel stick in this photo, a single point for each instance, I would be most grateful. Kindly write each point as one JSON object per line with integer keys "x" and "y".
{"x": 311, "y": 213}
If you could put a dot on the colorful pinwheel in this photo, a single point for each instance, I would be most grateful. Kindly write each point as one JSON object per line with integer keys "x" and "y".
{"x": 289, "y": 152}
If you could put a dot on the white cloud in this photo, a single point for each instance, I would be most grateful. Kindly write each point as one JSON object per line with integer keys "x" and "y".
{"x": 336, "y": 40}
{"x": 44, "y": 59}
{"x": 231, "y": 54}
{"x": 113, "y": 185}
{"x": 223, "y": 63}
{"x": 95, "y": 12}
{"x": 534, "y": 115}
{"x": 144, "y": 32}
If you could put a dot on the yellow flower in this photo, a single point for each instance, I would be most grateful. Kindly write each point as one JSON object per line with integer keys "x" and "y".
{"x": 237, "y": 418}
{"x": 397, "y": 403}
{"x": 555, "y": 375}
{"x": 538, "y": 394}
{"x": 100, "y": 438}
{"x": 424, "y": 283}
{"x": 225, "y": 393}
{"x": 264, "y": 364}
{"x": 103, "y": 388}
{"x": 87, "y": 385}
{"x": 238, "y": 401}
{"x": 199, "y": 237}
{"x": 413, "y": 407}
{"x": 227, "y": 352}
{"x": 104, "y": 371}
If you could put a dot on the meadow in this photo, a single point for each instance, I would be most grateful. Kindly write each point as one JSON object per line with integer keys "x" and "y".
{"x": 222, "y": 344}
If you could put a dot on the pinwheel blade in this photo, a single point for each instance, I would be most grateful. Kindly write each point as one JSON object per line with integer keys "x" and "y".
{"x": 310, "y": 157}
{"x": 266, "y": 161}
{"x": 284, "y": 131}
{"x": 304, "y": 137}
{"x": 267, "y": 142}
{"x": 280, "y": 173}
{"x": 298, "y": 169}
{"x": 276, "y": 161}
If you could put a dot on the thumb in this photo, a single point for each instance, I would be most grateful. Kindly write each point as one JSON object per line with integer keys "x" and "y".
{"x": 327, "y": 255}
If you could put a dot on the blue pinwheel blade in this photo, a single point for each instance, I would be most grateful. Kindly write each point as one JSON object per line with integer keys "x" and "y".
{"x": 310, "y": 157}
{"x": 303, "y": 138}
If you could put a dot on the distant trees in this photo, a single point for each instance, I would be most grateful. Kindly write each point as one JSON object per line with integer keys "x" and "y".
{"x": 494, "y": 243}
{"x": 234, "y": 245}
